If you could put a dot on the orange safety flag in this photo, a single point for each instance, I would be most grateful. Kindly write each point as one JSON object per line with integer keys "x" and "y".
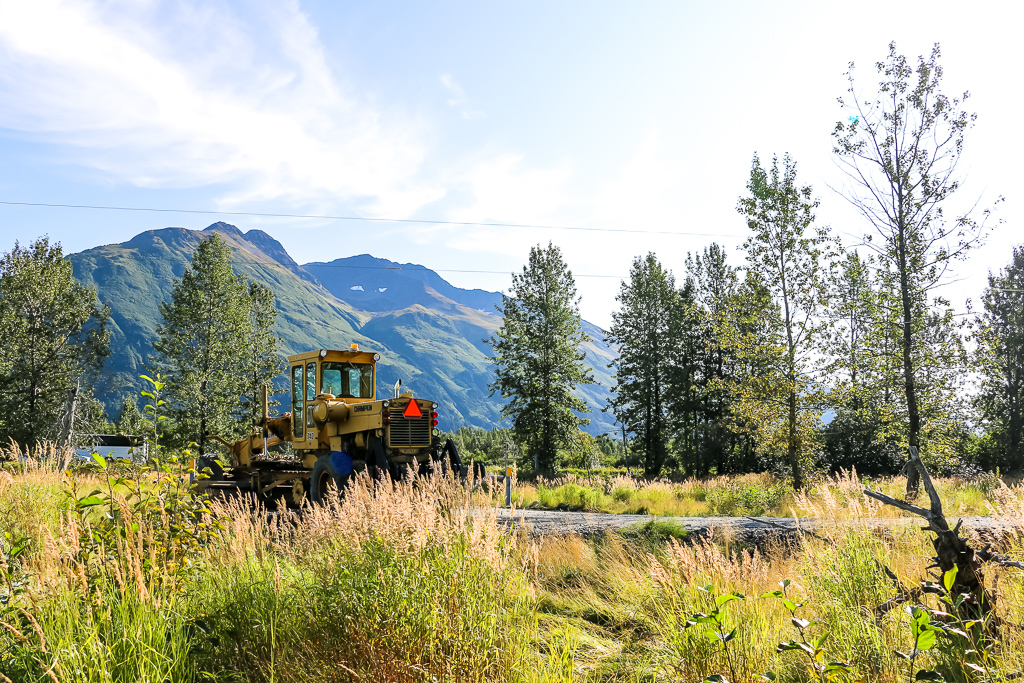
{"x": 413, "y": 410}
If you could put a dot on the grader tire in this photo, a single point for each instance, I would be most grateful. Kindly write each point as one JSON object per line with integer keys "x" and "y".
{"x": 324, "y": 481}
{"x": 216, "y": 470}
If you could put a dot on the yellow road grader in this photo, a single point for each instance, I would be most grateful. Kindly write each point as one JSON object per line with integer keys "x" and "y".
{"x": 338, "y": 428}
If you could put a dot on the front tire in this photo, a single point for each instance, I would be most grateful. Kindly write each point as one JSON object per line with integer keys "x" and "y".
{"x": 324, "y": 481}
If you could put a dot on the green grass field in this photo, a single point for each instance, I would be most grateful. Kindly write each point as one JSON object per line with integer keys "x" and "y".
{"x": 412, "y": 583}
{"x": 748, "y": 494}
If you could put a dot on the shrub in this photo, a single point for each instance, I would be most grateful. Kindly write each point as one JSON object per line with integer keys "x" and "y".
{"x": 752, "y": 499}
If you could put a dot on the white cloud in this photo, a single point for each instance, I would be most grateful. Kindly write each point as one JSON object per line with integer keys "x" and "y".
{"x": 646, "y": 190}
{"x": 195, "y": 99}
{"x": 505, "y": 189}
{"x": 457, "y": 98}
{"x": 198, "y": 96}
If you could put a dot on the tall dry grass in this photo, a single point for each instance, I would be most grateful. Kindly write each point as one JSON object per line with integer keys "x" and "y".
{"x": 644, "y": 628}
{"x": 32, "y": 489}
{"x": 419, "y": 581}
{"x": 630, "y": 611}
{"x": 401, "y": 582}
{"x": 830, "y": 496}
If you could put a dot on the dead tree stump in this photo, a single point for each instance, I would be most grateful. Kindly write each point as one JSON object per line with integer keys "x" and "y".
{"x": 951, "y": 551}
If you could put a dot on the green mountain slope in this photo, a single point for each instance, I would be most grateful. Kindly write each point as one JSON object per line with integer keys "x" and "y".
{"x": 430, "y": 339}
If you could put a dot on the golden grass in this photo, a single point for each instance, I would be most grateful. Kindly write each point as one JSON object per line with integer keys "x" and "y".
{"x": 633, "y": 608}
{"x": 398, "y": 582}
{"x": 420, "y": 581}
{"x": 830, "y": 497}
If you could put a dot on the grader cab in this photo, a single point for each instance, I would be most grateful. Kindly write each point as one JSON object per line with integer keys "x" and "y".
{"x": 338, "y": 429}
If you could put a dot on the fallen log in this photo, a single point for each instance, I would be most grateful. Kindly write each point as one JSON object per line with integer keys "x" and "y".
{"x": 951, "y": 551}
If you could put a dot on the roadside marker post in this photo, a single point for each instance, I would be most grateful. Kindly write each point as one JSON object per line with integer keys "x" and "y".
{"x": 507, "y": 446}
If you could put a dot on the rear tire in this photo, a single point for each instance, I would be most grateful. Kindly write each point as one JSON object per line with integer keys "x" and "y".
{"x": 479, "y": 471}
{"x": 324, "y": 481}
{"x": 216, "y": 471}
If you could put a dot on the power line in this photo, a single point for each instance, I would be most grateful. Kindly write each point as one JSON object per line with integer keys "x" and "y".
{"x": 361, "y": 218}
{"x": 440, "y": 270}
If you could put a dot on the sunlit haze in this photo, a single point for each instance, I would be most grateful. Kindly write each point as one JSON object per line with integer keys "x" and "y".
{"x": 628, "y": 116}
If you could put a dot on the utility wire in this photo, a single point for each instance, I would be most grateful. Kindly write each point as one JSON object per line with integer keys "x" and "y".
{"x": 361, "y": 218}
{"x": 394, "y": 267}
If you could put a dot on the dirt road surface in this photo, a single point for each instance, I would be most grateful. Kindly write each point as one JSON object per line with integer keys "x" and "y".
{"x": 545, "y": 522}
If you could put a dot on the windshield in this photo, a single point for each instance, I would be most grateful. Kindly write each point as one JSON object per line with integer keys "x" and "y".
{"x": 347, "y": 380}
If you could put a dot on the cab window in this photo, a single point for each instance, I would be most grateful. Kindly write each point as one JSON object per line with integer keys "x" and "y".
{"x": 310, "y": 391}
{"x": 347, "y": 380}
{"x": 297, "y": 403}
{"x": 310, "y": 381}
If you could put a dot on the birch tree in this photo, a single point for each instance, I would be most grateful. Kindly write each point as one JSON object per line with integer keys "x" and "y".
{"x": 789, "y": 257}
{"x": 901, "y": 149}
{"x": 54, "y": 342}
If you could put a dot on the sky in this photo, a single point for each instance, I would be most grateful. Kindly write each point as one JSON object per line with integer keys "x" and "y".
{"x": 592, "y": 117}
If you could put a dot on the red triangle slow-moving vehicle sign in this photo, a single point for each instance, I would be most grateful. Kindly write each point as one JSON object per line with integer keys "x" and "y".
{"x": 412, "y": 410}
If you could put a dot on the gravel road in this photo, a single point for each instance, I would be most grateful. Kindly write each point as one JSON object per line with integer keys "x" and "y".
{"x": 544, "y": 522}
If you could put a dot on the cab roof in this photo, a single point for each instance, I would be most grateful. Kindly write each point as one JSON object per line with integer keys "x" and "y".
{"x": 351, "y": 355}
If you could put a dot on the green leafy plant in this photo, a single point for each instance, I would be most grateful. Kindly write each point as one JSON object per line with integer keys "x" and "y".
{"x": 153, "y": 411}
{"x": 148, "y": 526}
{"x": 12, "y": 576}
{"x": 969, "y": 642}
{"x": 925, "y": 633}
{"x": 812, "y": 646}
{"x": 755, "y": 500}
{"x": 716, "y": 630}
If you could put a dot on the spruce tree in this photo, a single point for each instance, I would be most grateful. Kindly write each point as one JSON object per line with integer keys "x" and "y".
{"x": 643, "y": 332}
{"x": 537, "y": 358}
{"x": 200, "y": 345}
{"x": 261, "y": 349}
{"x": 862, "y": 354}
{"x": 750, "y": 333}
{"x": 1000, "y": 336}
{"x": 713, "y": 285}
{"x": 131, "y": 421}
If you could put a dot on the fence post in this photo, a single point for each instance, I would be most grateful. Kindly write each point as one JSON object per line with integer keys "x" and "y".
{"x": 508, "y": 476}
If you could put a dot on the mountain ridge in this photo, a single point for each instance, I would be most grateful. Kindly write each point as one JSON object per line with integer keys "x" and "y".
{"x": 428, "y": 332}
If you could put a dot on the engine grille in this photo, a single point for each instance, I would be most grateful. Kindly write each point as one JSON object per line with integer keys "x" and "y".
{"x": 405, "y": 432}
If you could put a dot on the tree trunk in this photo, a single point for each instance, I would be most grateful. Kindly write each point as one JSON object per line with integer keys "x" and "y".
{"x": 1016, "y": 417}
{"x": 913, "y": 417}
{"x": 202, "y": 434}
{"x": 67, "y": 438}
{"x": 794, "y": 453}
{"x": 659, "y": 441}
